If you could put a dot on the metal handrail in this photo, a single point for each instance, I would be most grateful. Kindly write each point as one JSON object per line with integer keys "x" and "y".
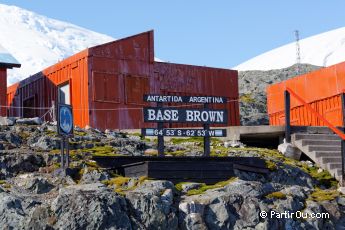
{"x": 288, "y": 91}
{"x": 328, "y": 124}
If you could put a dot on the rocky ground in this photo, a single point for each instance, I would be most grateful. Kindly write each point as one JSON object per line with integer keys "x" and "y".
{"x": 252, "y": 86}
{"x": 34, "y": 196}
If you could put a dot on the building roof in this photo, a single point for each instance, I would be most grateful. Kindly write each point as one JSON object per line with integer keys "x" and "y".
{"x": 7, "y": 60}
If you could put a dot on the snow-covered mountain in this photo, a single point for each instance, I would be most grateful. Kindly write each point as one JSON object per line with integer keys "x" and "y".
{"x": 37, "y": 41}
{"x": 324, "y": 49}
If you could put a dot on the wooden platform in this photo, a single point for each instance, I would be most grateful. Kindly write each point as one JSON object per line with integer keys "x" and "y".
{"x": 208, "y": 170}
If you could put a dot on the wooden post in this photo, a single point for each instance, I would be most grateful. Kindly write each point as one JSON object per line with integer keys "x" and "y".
{"x": 207, "y": 140}
{"x": 287, "y": 117}
{"x": 343, "y": 142}
{"x": 160, "y": 125}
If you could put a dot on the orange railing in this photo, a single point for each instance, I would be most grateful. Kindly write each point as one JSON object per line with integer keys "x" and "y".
{"x": 318, "y": 115}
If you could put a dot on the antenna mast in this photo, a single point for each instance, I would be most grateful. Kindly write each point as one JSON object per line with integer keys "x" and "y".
{"x": 298, "y": 51}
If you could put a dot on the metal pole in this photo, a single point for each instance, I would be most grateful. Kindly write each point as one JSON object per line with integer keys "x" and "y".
{"x": 342, "y": 182}
{"x": 67, "y": 152}
{"x": 207, "y": 140}
{"x": 62, "y": 153}
{"x": 287, "y": 117}
{"x": 53, "y": 108}
{"x": 160, "y": 138}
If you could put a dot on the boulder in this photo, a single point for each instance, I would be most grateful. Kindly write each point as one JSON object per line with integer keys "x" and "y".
{"x": 152, "y": 205}
{"x": 38, "y": 185}
{"x": 233, "y": 144}
{"x": 288, "y": 150}
{"x": 14, "y": 163}
{"x": 91, "y": 206}
{"x": 11, "y": 211}
{"x": 151, "y": 152}
{"x": 7, "y": 121}
{"x": 29, "y": 121}
{"x": 93, "y": 176}
{"x": 191, "y": 216}
{"x": 189, "y": 186}
{"x": 290, "y": 175}
{"x": 47, "y": 143}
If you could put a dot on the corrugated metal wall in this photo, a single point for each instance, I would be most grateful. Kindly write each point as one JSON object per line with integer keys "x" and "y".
{"x": 177, "y": 79}
{"x": 40, "y": 90}
{"x": 123, "y": 71}
{"x": 119, "y": 76}
{"x": 107, "y": 84}
{"x": 321, "y": 89}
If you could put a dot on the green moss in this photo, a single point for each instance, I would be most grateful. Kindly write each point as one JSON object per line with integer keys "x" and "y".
{"x": 7, "y": 186}
{"x": 50, "y": 133}
{"x": 92, "y": 164}
{"x": 178, "y": 153}
{"x": 247, "y": 98}
{"x": 324, "y": 177}
{"x": 214, "y": 154}
{"x": 276, "y": 195}
{"x": 55, "y": 151}
{"x": 107, "y": 155}
{"x": 222, "y": 151}
{"x": 118, "y": 181}
{"x": 272, "y": 156}
{"x": 177, "y": 141}
{"x": 142, "y": 179}
{"x": 320, "y": 195}
{"x": 101, "y": 151}
{"x": 121, "y": 183}
{"x": 77, "y": 133}
{"x": 56, "y": 165}
{"x": 271, "y": 165}
{"x": 135, "y": 134}
{"x": 24, "y": 135}
{"x": 215, "y": 141}
{"x": 179, "y": 185}
{"x": 2, "y": 182}
{"x": 205, "y": 187}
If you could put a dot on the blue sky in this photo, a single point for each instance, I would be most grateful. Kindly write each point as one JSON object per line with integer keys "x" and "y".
{"x": 212, "y": 33}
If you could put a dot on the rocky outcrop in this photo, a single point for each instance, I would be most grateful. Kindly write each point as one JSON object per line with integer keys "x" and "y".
{"x": 252, "y": 86}
{"x": 35, "y": 195}
{"x": 152, "y": 205}
{"x": 14, "y": 163}
{"x": 91, "y": 206}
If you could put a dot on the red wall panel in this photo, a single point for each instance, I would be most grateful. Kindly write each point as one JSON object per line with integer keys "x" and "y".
{"x": 321, "y": 89}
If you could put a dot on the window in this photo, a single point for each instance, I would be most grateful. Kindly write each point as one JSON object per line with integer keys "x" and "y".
{"x": 136, "y": 87}
{"x": 106, "y": 87}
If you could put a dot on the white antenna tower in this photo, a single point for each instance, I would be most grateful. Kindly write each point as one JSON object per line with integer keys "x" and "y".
{"x": 298, "y": 51}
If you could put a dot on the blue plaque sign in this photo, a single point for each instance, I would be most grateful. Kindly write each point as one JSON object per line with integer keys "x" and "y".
{"x": 65, "y": 120}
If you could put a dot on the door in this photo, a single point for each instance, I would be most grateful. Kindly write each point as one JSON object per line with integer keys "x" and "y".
{"x": 64, "y": 94}
{"x": 29, "y": 110}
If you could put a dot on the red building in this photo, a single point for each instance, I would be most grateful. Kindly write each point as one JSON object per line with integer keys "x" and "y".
{"x": 105, "y": 84}
{"x": 321, "y": 89}
{"x": 7, "y": 61}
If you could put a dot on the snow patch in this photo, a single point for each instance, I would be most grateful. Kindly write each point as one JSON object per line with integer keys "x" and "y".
{"x": 38, "y": 42}
{"x": 324, "y": 49}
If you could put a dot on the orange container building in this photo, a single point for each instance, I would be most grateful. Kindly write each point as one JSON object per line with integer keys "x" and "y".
{"x": 321, "y": 89}
{"x": 105, "y": 85}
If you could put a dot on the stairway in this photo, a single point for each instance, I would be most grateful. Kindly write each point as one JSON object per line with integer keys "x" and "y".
{"x": 323, "y": 148}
